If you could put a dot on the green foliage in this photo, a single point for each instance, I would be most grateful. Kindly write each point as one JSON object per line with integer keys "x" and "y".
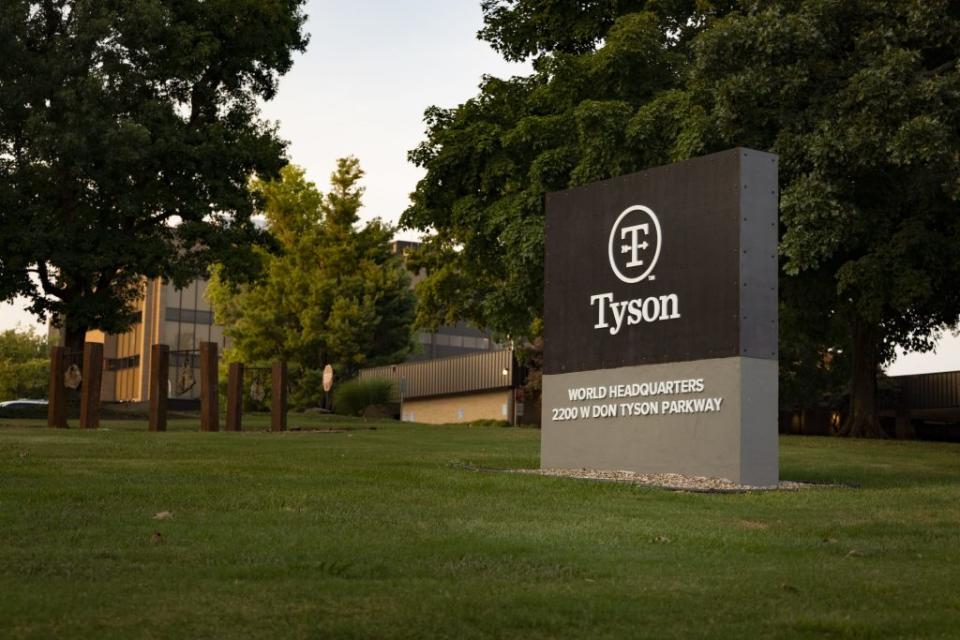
{"x": 333, "y": 294}
{"x": 19, "y": 345}
{"x": 350, "y": 398}
{"x": 128, "y": 131}
{"x": 24, "y": 379}
{"x": 307, "y": 389}
{"x": 24, "y": 364}
{"x": 488, "y": 423}
{"x": 519, "y": 29}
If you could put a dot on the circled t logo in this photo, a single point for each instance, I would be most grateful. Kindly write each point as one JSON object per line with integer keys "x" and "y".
{"x": 634, "y": 245}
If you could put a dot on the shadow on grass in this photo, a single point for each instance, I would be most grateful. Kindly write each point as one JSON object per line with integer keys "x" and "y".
{"x": 870, "y": 464}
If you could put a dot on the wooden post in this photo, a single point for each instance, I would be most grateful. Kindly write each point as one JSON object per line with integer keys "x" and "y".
{"x": 56, "y": 392}
{"x": 159, "y": 386}
{"x": 903, "y": 425}
{"x": 235, "y": 396}
{"x": 209, "y": 392}
{"x": 90, "y": 389}
{"x": 278, "y": 404}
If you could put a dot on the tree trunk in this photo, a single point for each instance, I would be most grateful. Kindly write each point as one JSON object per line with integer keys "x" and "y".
{"x": 75, "y": 337}
{"x": 862, "y": 420}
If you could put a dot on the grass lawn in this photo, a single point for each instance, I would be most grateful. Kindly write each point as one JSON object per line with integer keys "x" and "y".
{"x": 383, "y": 534}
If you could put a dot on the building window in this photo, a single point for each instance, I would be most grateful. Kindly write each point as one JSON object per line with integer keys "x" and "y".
{"x": 118, "y": 364}
{"x": 189, "y": 316}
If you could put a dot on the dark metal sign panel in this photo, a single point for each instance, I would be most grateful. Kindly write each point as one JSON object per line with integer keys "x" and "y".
{"x": 675, "y": 263}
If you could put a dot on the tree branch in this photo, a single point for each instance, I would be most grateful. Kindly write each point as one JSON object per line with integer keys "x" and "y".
{"x": 943, "y": 67}
{"x": 106, "y": 277}
{"x": 48, "y": 287}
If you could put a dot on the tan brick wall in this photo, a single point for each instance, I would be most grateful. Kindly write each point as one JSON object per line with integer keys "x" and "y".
{"x": 485, "y": 405}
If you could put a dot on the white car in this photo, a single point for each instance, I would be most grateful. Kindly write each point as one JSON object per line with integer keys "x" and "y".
{"x": 22, "y": 404}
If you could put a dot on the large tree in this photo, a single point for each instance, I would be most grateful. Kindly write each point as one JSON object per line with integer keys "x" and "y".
{"x": 861, "y": 100}
{"x": 858, "y": 98}
{"x": 128, "y": 132}
{"x": 333, "y": 294}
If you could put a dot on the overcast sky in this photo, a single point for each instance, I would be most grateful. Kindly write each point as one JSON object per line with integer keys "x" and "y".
{"x": 371, "y": 69}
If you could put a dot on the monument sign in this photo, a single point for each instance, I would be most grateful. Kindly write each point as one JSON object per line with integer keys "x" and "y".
{"x": 660, "y": 345}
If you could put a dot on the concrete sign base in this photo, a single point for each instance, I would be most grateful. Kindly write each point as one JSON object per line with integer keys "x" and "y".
{"x": 714, "y": 417}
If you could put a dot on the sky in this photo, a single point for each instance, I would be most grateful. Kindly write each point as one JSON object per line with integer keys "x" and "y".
{"x": 370, "y": 70}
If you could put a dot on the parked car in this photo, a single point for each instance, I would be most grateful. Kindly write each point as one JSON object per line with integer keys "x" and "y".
{"x": 23, "y": 404}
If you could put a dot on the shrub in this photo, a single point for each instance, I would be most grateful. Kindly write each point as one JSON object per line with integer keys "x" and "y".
{"x": 489, "y": 423}
{"x": 306, "y": 389}
{"x": 352, "y": 397}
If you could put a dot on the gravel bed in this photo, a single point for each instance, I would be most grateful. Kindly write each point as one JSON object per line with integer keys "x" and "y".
{"x": 672, "y": 481}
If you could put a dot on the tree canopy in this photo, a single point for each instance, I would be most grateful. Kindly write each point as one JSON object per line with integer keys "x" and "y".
{"x": 859, "y": 100}
{"x": 521, "y": 29}
{"x": 128, "y": 133}
{"x": 334, "y": 294}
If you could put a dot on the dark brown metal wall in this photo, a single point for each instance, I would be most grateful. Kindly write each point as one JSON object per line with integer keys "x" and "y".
{"x": 460, "y": 374}
{"x": 718, "y": 230}
{"x": 931, "y": 390}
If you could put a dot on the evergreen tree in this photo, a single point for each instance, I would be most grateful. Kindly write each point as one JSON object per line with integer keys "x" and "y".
{"x": 333, "y": 294}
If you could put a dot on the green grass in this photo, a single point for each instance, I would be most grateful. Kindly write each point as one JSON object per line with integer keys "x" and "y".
{"x": 383, "y": 534}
